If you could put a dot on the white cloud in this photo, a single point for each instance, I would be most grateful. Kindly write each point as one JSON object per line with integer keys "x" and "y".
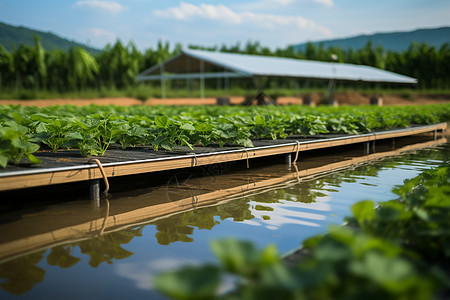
{"x": 221, "y": 13}
{"x": 283, "y": 2}
{"x": 328, "y": 3}
{"x": 97, "y": 37}
{"x": 187, "y": 11}
{"x": 102, "y": 34}
{"x": 103, "y": 6}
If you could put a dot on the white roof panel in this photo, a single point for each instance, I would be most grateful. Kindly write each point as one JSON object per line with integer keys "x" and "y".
{"x": 256, "y": 65}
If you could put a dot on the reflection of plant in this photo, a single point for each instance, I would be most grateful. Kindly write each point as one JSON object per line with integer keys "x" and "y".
{"x": 60, "y": 256}
{"x": 21, "y": 274}
{"x": 397, "y": 251}
{"x": 180, "y": 227}
{"x": 108, "y": 247}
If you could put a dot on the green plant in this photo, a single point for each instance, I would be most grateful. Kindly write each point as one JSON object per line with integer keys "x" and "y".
{"x": 14, "y": 144}
{"x": 92, "y": 129}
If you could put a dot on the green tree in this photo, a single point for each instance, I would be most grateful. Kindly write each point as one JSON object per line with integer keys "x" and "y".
{"x": 82, "y": 69}
{"x": 40, "y": 68}
{"x": 6, "y": 68}
{"x": 57, "y": 70}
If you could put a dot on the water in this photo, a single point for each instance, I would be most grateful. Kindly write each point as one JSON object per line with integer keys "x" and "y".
{"x": 74, "y": 250}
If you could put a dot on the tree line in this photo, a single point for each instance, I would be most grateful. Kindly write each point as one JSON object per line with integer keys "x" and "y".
{"x": 117, "y": 65}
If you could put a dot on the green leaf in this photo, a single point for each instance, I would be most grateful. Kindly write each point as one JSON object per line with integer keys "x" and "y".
{"x": 189, "y": 282}
{"x": 363, "y": 211}
{"x": 269, "y": 255}
{"x": 188, "y": 127}
{"x": 3, "y": 161}
{"x": 278, "y": 276}
{"x": 162, "y": 121}
{"x": 388, "y": 271}
{"x": 244, "y": 142}
{"x": 260, "y": 120}
{"x": 31, "y": 147}
{"x": 33, "y": 159}
{"x": 202, "y": 127}
{"x": 236, "y": 256}
{"x": 19, "y": 143}
{"x": 330, "y": 249}
{"x": 167, "y": 144}
{"x": 438, "y": 196}
{"x": 74, "y": 135}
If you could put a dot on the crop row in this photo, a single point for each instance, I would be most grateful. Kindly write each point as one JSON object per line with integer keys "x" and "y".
{"x": 92, "y": 129}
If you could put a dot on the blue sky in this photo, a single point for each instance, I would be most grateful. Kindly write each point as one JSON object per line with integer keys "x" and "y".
{"x": 274, "y": 23}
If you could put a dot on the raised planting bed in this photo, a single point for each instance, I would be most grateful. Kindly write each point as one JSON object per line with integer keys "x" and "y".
{"x": 69, "y": 166}
{"x": 51, "y": 145}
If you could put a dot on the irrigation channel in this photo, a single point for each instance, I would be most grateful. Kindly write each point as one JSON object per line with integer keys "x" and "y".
{"x": 57, "y": 243}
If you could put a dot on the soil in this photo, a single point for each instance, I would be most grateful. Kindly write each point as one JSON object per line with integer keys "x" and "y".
{"x": 344, "y": 98}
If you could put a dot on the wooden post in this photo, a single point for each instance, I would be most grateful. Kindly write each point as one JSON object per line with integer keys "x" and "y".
{"x": 375, "y": 100}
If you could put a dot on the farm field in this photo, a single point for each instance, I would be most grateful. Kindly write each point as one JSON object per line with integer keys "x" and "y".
{"x": 92, "y": 129}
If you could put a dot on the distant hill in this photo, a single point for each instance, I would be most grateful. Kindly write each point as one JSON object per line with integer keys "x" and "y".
{"x": 395, "y": 41}
{"x": 13, "y": 36}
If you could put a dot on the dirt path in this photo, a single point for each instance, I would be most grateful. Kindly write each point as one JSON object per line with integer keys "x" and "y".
{"x": 347, "y": 98}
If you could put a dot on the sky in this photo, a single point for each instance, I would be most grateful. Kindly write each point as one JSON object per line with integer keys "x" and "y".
{"x": 273, "y": 23}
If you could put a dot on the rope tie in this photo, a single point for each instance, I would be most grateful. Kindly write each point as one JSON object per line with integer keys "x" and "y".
{"x": 195, "y": 201}
{"x": 105, "y": 179}
{"x": 248, "y": 165}
{"x": 296, "y": 154}
{"x": 195, "y": 159}
{"x": 102, "y": 230}
{"x": 297, "y": 173}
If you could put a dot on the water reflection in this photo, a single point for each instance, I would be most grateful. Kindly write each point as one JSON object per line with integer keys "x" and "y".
{"x": 21, "y": 274}
{"x": 180, "y": 228}
{"x": 271, "y": 198}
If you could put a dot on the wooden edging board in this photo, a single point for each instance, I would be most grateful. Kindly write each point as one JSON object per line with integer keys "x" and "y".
{"x": 49, "y": 176}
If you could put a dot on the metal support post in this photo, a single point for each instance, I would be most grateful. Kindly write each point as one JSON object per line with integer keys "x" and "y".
{"x": 163, "y": 82}
{"x": 435, "y": 134}
{"x": 202, "y": 79}
{"x": 95, "y": 191}
{"x": 288, "y": 159}
{"x": 367, "y": 147}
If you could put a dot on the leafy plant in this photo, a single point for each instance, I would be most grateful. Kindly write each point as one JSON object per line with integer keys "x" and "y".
{"x": 15, "y": 145}
{"x": 92, "y": 129}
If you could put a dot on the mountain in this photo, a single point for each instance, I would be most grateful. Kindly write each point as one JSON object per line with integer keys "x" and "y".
{"x": 13, "y": 36}
{"x": 395, "y": 41}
